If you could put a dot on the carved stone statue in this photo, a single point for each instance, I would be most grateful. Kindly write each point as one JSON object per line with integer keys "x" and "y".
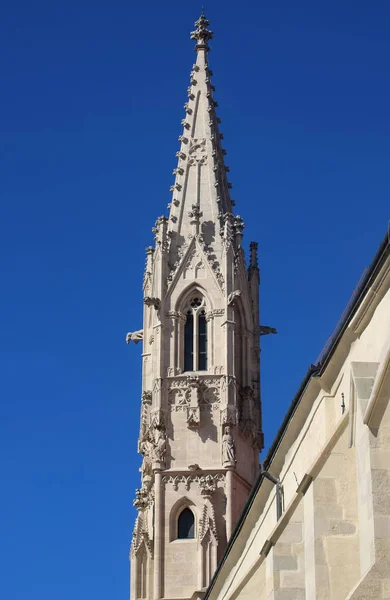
{"x": 146, "y": 449}
{"x": 135, "y": 336}
{"x": 233, "y": 297}
{"x": 160, "y": 447}
{"x": 228, "y": 447}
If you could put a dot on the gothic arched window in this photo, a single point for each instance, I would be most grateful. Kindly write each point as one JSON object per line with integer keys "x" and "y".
{"x": 186, "y": 525}
{"x": 195, "y": 335}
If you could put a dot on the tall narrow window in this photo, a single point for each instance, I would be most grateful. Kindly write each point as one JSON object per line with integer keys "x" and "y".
{"x": 202, "y": 346}
{"x": 195, "y": 336}
{"x": 189, "y": 342}
{"x": 186, "y": 525}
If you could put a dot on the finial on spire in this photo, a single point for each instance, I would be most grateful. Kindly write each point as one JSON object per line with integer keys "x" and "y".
{"x": 201, "y": 34}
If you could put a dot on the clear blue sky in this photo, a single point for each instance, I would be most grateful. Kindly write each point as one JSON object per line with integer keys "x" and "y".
{"x": 92, "y": 96}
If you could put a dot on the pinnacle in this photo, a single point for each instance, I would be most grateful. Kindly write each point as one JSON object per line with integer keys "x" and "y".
{"x": 201, "y": 33}
{"x": 200, "y": 173}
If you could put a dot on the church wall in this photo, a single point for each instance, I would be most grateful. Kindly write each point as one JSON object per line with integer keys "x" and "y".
{"x": 195, "y": 446}
{"x": 334, "y": 465}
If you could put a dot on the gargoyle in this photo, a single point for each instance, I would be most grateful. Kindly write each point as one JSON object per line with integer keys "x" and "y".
{"x": 135, "y": 336}
{"x": 156, "y": 302}
{"x": 265, "y": 330}
{"x": 233, "y": 297}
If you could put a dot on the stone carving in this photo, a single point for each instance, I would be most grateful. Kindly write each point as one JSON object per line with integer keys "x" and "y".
{"x": 265, "y": 330}
{"x": 147, "y": 397}
{"x": 197, "y": 153}
{"x": 195, "y": 213}
{"x": 193, "y": 416}
{"x": 141, "y": 535}
{"x": 178, "y": 171}
{"x": 194, "y": 391}
{"x": 228, "y": 236}
{"x": 238, "y": 222}
{"x": 249, "y": 416}
{"x": 228, "y": 448}
{"x": 146, "y": 449}
{"x": 158, "y": 418}
{"x": 135, "y": 336}
{"x": 201, "y": 34}
{"x": 160, "y": 447}
{"x": 207, "y": 485}
{"x": 156, "y": 302}
{"x": 179, "y": 393}
{"x": 233, "y": 297}
{"x": 141, "y": 500}
{"x": 194, "y": 467}
{"x": 229, "y": 415}
{"x": 207, "y": 522}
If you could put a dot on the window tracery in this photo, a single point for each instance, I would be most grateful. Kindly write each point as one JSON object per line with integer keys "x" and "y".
{"x": 195, "y": 334}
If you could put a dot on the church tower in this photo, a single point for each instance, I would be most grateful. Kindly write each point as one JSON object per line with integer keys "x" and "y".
{"x": 200, "y": 431}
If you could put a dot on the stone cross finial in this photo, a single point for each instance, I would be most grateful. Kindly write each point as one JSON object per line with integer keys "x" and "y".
{"x": 201, "y": 34}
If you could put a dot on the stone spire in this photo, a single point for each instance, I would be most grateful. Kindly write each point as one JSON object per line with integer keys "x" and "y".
{"x": 200, "y": 426}
{"x": 201, "y": 172}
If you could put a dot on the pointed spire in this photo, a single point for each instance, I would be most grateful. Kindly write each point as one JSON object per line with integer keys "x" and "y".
{"x": 201, "y": 34}
{"x": 201, "y": 174}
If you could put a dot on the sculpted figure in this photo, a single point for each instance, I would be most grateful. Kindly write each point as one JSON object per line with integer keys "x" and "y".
{"x": 135, "y": 336}
{"x": 228, "y": 448}
{"x": 160, "y": 446}
{"x": 233, "y": 297}
{"x": 146, "y": 450}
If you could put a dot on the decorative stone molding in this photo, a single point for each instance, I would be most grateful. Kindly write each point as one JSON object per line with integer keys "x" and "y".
{"x": 195, "y": 213}
{"x": 147, "y": 397}
{"x": 188, "y": 480}
{"x": 207, "y": 523}
{"x": 197, "y": 153}
{"x": 141, "y": 536}
{"x": 229, "y": 415}
{"x": 157, "y": 418}
{"x": 201, "y": 34}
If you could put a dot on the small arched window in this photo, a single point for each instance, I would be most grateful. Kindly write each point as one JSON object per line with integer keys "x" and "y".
{"x": 195, "y": 335}
{"x": 186, "y": 525}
